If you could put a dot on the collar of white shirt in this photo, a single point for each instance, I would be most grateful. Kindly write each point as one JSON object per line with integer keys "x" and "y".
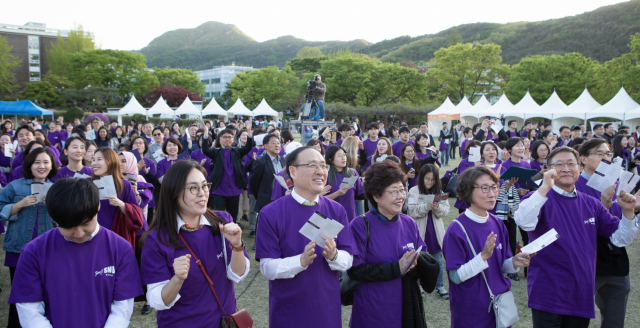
{"x": 585, "y": 175}
{"x": 557, "y": 189}
{"x": 92, "y": 235}
{"x": 301, "y": 199}
{"x": 475, "y": 217}
{"x": 203, "y": 221}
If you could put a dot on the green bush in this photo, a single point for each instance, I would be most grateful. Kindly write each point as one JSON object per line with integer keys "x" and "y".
{"x": 73, "y": 113}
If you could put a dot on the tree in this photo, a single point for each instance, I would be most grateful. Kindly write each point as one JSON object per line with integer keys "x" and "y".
{"x": 124, "y": 70}
{"x": 41, "y": 92}
{"x": 172, "y": 94}
{"x": 8, "y": 62}
{"x": 346, "y": 78}
{"x": 541, "y": 75}
{"x": 179, "y": 77}
{"x": 306, "y": 64}
{"x": 309, "y": 52}
{"x": 618, "y": 72}
{"x": 454, "y": 37}
{"x": 58, "y": 54}
{"x": 59, "y": 82}
{"x": 463, "y": 70}
{"x": 89, "y": 98}
{"x": 275, "y": 86}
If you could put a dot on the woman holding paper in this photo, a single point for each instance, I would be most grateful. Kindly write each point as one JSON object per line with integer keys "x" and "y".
{"x": 16, "y": 172}
{"x": 171, "y": 148}
{"x": 106, "y": 164}
{"x": 488, "y": 259}
{"x": 5, "y": 161}
{"x": 75, "y": 151}
{"x": 383, "y": 149}
{"x": 336, "y": 157}
{"x": 146, "y": 166}
{"x": 385, "y": 298}
{"x": 422, "y": 147}
{"x": 620, "y": 150}
{"x": 411, "y": 165}
{"x": 429, "y": 216}
{"x": 27, "y": 218}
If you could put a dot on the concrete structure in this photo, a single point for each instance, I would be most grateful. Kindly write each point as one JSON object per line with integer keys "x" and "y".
{"x": 29, "y": 43}
{"x": 216, "y": 79}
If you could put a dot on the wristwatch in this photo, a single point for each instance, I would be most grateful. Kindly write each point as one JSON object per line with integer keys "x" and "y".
{"x": 238, "y": 249}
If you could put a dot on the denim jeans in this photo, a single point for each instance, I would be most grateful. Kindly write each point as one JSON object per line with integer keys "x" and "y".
{"x": 320, "y": 108}
{"x": 445, "y": 158}
{"x": 438, "y": 257}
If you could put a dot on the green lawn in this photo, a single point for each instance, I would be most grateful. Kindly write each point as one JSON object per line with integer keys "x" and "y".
{"x": 253, "y": 294}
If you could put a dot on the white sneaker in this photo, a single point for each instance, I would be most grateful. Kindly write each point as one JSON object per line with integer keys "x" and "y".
{"x": 442, "y": 293}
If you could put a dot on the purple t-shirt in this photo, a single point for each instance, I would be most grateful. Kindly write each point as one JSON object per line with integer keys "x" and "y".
{"x": 19, "y": 159}
{"x": 430, "y": 237}
{"x": 561, "y": 278}
{"x": 163, "y": 165}
{"x": 77, "y": 282}
{"x": 523, "y": 164}
{"x": 107, "y": 212}
{"x": 337, "y": 143}
{"x": 151, "y": 167}
{"x": 16, "y": 174}
{"x": 534, "y": 164}
{"x": 278, "y": 236}
{"x": 188, "y": 311}
{"x": 54, "y": 137}
{"x": 228, "y": 186}
{"x": 370, "y": 146}
{"x": 347, "y": 200}
{"x": 413, "y": 181}
{"x": 4, "y": 160}
{"x": 198, "y": 156}
{"x": 379, "y": 304}
{"x": 469, "y": 300}
{"x": 462, "y": 205}
{"x": 397, "y": 147}
{"x": 65, "y": 172}
{"x": 462, "y": 148}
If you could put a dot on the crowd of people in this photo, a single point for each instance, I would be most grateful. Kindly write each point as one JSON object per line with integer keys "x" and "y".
{"x": 171, "y": 237}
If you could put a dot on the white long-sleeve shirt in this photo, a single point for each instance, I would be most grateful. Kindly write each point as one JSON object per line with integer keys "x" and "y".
{"x": 289, "y": 267}
{"x": 528, "y": 214}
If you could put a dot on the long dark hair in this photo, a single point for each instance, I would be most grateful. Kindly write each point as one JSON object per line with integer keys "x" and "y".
{"x": 113, "y": 167}
{"x": 403, "y": 160}
{"x": 617, "y": 146}
{"x": 437, "y": 185}
{"x": 44, "y": 134}
{"x": 166, "y": 219}
{"x": 329, "y": 157}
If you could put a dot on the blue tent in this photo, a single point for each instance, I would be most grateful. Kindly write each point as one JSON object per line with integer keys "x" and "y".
{"x": 22, "y": 107}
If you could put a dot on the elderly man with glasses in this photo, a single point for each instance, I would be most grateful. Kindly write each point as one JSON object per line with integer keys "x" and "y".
{"x": 304, "y": 278}
{"x": 561, "y": 280}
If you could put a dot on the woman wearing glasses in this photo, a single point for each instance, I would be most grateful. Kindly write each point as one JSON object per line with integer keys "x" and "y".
{"x": 338, "y": 171}
{"x": 410, "y": 164}
{"x": 185, "y": 229}
{"x": 158, "y": 140}
{"x": 489, "y": 258}
{"x": 385, "y": 298}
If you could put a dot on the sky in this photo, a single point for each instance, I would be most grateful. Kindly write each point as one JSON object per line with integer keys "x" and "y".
{"x": 132, "y": 24}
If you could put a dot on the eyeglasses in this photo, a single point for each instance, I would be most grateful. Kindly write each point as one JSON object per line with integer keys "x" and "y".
{"x": 429, "y": 180}
{"x": 226, "y": 137}
{"x": 196, "y": 189}
{"x": 157, "y": 134}
{"x": 409, "y": 151}
{"x": 560, "y": 165}
{"x": 395, "y": 193}
{"x": 341, "y": 156}
{"x": 485, "y": 189}
{"x": 601, "y": 153}
{"x": 314, "y": 167}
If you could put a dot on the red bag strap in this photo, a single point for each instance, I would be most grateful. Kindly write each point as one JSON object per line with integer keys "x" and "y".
{"x": 204, "y": 271}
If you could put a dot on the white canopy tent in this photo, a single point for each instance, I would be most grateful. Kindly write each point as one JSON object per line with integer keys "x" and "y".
{"x": 239, "y": 109}
{"x": 132, "y": 107}
{"x": 472, "y": 114}
{"x": 264, "y": 109}
{"x": 161, "y": 107}
{"x": 187, "y": 108}
{"x": 576, "y": 112}
{"x": 445, "y": 113}
{"x": 553, "y": 105}
{"x": 214, "y": 109}
{"x": 616, "y": 107}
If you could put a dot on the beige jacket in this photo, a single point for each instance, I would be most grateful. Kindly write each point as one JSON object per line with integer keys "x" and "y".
{"x": 420, "y": 213}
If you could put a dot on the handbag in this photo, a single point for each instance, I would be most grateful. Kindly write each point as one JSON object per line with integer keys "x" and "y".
{"x": 504, "y": 305}
{"x": 348, "y": 286}
{"x": 240, "y": 319}
{"x": 451, "y": 185}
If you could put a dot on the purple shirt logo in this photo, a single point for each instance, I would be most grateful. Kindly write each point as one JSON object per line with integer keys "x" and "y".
{"x": 109, "y": 271}
{"x": 592, "y": 221}
{"x": 408, "y": 246}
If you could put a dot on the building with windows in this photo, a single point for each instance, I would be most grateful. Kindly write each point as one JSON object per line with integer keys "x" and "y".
{"x": 216, "y": 79}
{"x": 29, "y": 43}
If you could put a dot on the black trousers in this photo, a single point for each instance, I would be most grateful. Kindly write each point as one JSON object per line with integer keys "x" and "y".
{"x": 542, "y": 319}
{"x": 227, "y": 203}
{"x": 14, "y": 321}
{"x": 150, "y": 212}
{"x": 512, "y": 229}
{"x": 138, "y": 252}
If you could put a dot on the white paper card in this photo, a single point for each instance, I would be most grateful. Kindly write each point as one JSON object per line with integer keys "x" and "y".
{"x": 543, "y": 241}
{"x": 474, "y": 154}
{"x": 106, "y": 186}
{"x": 628, "y": 181}
{"x": 157, "y": 155}
{"x": 81, "y": 176}
{"x": 381, "y": 158}
{"x": 413, "y": 258}
{"x": 259, "y": 139}
{"x": 426, "y": 199}
{"x": 7, "y": 150}
{"x": 349, "y": 182}
{"x": 321, "y": 225}
{"x": 39, "y": 189}
{"x": 497, "y": 126}
{"x": 605, "y": 176}
{"x": 281, "y": 181}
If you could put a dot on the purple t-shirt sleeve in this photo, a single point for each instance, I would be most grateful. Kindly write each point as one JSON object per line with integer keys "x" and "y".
{"x": 127, "y": 284}
{"x": 454, "y": 247}
{"x": 607, "y": 223}
{"x": 269, "y": 243}
{"x": 155, "y": 266}
{"x": 27, "y": 277}
{"x": 128, "y": 196}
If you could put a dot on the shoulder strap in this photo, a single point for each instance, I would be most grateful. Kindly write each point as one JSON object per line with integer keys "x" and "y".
{"x": 474, "y": 254}
{"x": 204, "y": 271}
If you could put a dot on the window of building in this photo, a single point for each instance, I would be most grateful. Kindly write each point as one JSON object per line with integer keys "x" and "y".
{"x": 215, "y": 81}
{"x": 208, "y": 94}
{"x": 205, "y": 81}
{"x": 34, "y": 65}
{"x": 34, "y": 74}
{"x": 216, "y": 93}
{"x": 34, "y": 57}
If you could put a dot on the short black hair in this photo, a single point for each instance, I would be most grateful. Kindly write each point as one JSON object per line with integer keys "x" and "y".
{"x": 373, "y": 126}
{"x": 173, "y": 141}
{"x": 72, "y": 139}
{"x": 466, "y": 130}
{"x": 31, "y": 158}
{"x": 24, "y": 127}
{"x": 563, "y": 149}
{"x": 564, "y": 127}
{"x": 146, "y": 143}
{"x": 597, "y": 126}
{"x": 268, "y": 137}
{"x": 292, "y": 158}
{"x": 404, "y": 129}
{"x": 546, "y": 133}
{"x": 466, "y": 183}
{"x": 607, "y": 125}
{"x": 512, "y": 121}
{"x": 422, "y": 123}
{"x": 536, "y": 145}
{"x": 344, "y": 127}
{"x": 72, "y": 202}
{"x": 379, "y": 176}
{"x": 512, "y": 142}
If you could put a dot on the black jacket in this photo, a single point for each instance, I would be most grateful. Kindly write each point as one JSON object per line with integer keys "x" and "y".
{"x": 217, "y": 156}
{"x": 185, "y": 145}
{"x": 262, "y": 180}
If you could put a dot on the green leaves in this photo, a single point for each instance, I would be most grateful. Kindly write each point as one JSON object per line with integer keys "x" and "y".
{"x": 40, "y": 92}
{"x": 179, "y": 77}
{"x": 273, "y": 85}
{"x": 8, "y": 62}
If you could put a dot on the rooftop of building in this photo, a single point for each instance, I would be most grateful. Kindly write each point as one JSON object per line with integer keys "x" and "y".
{"x": 33, "y": 28}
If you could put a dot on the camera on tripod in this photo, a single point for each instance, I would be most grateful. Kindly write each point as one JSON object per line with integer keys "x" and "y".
{"x": 311, "y": 85}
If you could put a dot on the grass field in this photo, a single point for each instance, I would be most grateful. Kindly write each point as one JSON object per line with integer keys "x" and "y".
{"x": 253, "y": 294}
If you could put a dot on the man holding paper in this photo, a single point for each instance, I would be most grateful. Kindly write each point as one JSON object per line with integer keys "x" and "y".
{"x": 561, "y": 279}
{"x": 304, "y": 286}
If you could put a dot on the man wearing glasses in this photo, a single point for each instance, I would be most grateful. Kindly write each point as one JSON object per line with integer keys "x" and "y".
{"x": 262, "y": 176}
{"x": 227, "y": 178}
{"x": 561, "y": 278}
{"x": 303, "y": 275}
{"x": 158, "y": 139}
